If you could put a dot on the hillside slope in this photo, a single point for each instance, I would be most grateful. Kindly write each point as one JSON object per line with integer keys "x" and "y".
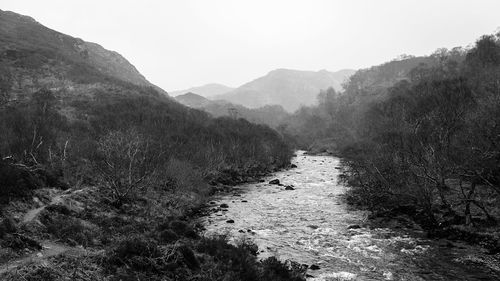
{"x": 34, "y": 56}
{"x": 192, "y": 100}
{"x": 207, "y": 91}
{"x": 285, "y": 87}
{"x": 95, "y": 160}
{"x": 271, "y": 115}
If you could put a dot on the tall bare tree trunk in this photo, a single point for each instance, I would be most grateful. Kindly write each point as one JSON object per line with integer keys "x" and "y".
{"x": 468, "y": 200}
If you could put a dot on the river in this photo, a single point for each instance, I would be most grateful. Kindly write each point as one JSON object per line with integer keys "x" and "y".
{"x": 312, "y": 225}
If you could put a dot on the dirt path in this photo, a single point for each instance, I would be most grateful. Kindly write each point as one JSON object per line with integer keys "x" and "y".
{"x": 33, "y": 213}
{"x": 49, "y": 249}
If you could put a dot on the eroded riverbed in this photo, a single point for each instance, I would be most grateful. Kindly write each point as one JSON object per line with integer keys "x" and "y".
{"x": 312, "y": 225}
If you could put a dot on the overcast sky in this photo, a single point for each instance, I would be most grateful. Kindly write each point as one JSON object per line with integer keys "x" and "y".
{"x": 184, "y": 43}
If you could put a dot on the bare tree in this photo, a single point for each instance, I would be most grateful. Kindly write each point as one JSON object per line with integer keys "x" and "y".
{"x": 126, "y": 164}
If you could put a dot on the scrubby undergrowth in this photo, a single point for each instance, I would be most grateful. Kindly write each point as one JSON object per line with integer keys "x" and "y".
{"x": 142, "y": 239}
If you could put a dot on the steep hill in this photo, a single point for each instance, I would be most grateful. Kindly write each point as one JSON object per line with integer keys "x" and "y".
{"x": 285, "y": 87}
{"x": 208, "y": 90}
{"x": 35, "y": 56}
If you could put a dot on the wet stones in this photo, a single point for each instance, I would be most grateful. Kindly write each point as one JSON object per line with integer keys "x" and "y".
{"x": 314, "y": 267}
{"x": 275, "y": 181}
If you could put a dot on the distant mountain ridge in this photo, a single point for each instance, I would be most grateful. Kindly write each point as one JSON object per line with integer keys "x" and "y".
{"x": 271, "y": 115}
{"x": 207, "y": 91}
{"x": 193, "y": 100}
{"x": 286, "y": 87}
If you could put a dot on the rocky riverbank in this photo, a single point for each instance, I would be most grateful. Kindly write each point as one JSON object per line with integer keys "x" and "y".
{"x": 313, "y": 226}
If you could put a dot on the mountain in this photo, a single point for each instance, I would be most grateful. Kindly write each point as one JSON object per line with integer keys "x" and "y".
{"x": 39, "y": 56}
{"x": 271, "y": 115}
{"x": 80, "y": 121}
{"x": 208, "y": 90}
{"x": 285, "y": 87}
{"x": 192, "y": 100}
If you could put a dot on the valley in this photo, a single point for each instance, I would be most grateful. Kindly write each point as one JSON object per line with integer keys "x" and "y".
{"x": 388, "y": 172}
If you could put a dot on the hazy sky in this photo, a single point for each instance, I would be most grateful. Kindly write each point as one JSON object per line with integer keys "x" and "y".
{"x": 183, "y": 43}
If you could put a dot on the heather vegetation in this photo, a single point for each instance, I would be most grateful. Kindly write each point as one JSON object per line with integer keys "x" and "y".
{"x": 102, "y": 175}
{"x": 419, "y": 136}
{"x": 135, "y": 169}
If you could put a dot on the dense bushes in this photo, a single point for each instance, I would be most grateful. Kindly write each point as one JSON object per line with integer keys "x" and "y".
{"x": 206, "y": 258}
{"x": 158, "y": 132}
{"x": 68, "y": 229}
{"x": 414, "y": 134}
{"x": 427, "y": 143}
{"x": 151, "y": 161}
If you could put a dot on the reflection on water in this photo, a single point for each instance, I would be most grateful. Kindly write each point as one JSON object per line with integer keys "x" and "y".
{"x": 311, "y": 225}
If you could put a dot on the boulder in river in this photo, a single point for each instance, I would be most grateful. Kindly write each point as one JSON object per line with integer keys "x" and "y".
{"x": 314, "y": 267}
{"x": 289, "y": 187}
{"x": 293, "y": 166}
{"x": 224, "y": 205}
{"x": 354, "y": 226}
{"x": 230, "y": 221}
{"x": 275, "y": 181}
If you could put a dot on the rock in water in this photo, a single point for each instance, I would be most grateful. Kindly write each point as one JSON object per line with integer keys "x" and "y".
{"x": 275, "y": 181}
{"x": 289, "y": 187}
{"x": 314, "y": 267}
{"x": 230, "y": 221}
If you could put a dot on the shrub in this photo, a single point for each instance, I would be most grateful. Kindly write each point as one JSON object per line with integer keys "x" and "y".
{"x": 7, "y": 225}
{"x": 183, "y": 229}
{"x": 136, "y": 252}
{"x": 43, "y": 273}
{"x": 67, "y": 228}
{"x": 189, "y": 258}
{"x": 275, "y": 270}
{"x": 168, "y": 236}
{"x": 125, "y": 164}
{"x": 19, "y": 242}
{"x": 16, "y": 182}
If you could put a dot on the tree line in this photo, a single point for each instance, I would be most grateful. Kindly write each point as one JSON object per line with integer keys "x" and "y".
{"x": 125, "y": 141}
{"x": 429, "y": 138}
